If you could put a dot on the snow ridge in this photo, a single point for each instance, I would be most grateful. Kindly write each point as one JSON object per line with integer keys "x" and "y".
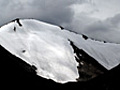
{"x": 46, "y": 47}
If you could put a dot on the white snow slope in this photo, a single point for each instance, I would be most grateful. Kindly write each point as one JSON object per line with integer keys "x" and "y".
{"x": 48, "y": 48}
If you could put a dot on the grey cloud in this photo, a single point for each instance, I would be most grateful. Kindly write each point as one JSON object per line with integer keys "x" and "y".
{"x": 115, "y": 21}
{"x": 112, "y": 23}
{"x": 58, "y": 12}
{"x": 79, "y": 23}
{"x": 105, "y": 30}
{"x": 102, "y": 30}
{"x": 52, "y": 11}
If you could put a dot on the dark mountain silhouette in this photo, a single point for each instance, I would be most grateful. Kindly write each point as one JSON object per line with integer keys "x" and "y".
{"x": 18, "y": 73}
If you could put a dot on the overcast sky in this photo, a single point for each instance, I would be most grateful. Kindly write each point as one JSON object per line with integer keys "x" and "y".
{"x": 83, "y": 16}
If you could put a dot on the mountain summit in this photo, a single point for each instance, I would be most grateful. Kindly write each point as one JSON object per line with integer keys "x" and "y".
{"x": 56, "y": 53}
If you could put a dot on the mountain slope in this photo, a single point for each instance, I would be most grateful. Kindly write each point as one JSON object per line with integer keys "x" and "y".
{"x": 48, "y": 49}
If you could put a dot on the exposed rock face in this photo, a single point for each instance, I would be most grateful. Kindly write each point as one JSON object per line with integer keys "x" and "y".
{"x": 88, "y": 67}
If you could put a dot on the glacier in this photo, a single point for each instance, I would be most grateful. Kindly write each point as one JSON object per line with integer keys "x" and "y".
{"x": 48, "y": 48}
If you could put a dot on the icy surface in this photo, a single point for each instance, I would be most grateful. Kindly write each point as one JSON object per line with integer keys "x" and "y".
{"x": 48, "y": 48}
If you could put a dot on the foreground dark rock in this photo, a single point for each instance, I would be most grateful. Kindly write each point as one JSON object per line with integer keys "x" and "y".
{"x": 17, "y": 73}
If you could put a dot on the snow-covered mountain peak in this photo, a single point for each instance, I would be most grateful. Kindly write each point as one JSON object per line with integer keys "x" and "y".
{"x": 49, "y": 48}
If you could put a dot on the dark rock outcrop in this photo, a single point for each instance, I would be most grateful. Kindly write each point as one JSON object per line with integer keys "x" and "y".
{"x": 88, "y": 67}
